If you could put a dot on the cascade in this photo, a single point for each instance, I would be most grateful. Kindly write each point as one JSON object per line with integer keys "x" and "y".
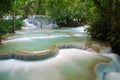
{"x": 39, "y": 21}
{"x": 69, "y": 56}
{"x": 109, "y": 71}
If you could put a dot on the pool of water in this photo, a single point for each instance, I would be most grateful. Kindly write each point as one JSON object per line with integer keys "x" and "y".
{"x": 37, "y": 40}
{"x": 68, "y": 64}
{"x": 36, "y": 43}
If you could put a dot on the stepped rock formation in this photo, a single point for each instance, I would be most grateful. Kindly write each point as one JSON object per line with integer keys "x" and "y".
{"x": 38, "y": 55}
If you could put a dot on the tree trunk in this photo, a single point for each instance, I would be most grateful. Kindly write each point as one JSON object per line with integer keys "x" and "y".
{"x": 13, "y": 23}
{"x": 0, "y": 40}
{"x": 115, "y": 23}
{"x": 113, "y": 16}
{"x": 101, "y": 9}
{"x": 24, "y": 16}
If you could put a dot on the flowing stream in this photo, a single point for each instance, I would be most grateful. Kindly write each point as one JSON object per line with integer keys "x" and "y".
{"x": 79, "y": 58}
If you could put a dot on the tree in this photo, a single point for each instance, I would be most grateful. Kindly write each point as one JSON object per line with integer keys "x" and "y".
{"x": 30, "y": 8}
{"x": 109, "y": 9}
{"x": 41, "y": 8}
{"x": 5, "y": 7}
{"x": 107, "y": 22}
{"x": 63, "y": 13}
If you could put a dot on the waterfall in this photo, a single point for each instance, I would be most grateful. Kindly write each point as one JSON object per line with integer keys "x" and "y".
{"x": 39, "y": 21}
{"x": 71, "y": 60}
{"x": 28, "y": 25}
{"x": 62, "y": 61}
{"x": 69, "y": 64}
{"x": 109, "y": 71}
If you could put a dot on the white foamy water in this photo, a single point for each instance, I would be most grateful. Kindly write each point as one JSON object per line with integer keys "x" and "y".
{"x": 31, "y": 37}
{"x": 109, "y": 71}
{"x": 81, "y": 29}
{"x": 28, "y": 25}
{"x": 69, "y": 64}
{"x": 43, "y": 22}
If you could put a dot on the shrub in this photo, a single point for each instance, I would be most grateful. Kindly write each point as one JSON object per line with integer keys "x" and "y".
{"x": 18, "y": 24}
{"x": 6, "y": 26}
{"x": 99, "y": 28}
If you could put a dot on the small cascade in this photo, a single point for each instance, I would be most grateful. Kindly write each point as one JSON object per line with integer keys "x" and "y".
{"x": 29, "y": 56}
{"x": 105, "y": 66}
{"x": 39, "y": 55}
{"x": 70, "y": 58}
{"x": 69, "y": 64}
{"x": 109, "y": 71}
{"x": 39, "y": 21}
{"x": 28, "y": 25}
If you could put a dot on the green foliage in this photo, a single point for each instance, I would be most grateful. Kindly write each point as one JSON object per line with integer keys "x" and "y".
{"x": 65, "y": 11}
{"x": 41, "y": 7}
{"x": 31, "y": 8}
{"x": 18, "y": 6}
{"x": 58, "y": 10}
{"x": 3, "y": 28}
{"x": 105, "y": 22}
{"x": 100, "y": 28}
{"x": 6, "y": 6}
{"x": 18, "y": 24}
{"x": 113, "y": 37}
{"x": 6, "y": 26}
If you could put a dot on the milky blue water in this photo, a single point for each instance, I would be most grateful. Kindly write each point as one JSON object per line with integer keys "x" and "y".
{"x": 69, "y": 64}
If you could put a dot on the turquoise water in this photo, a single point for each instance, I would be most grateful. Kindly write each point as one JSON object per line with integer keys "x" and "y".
{"x": 36, "y": 39}
{"x": 69, "y": 64}
{"x": 36, "y": 44}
